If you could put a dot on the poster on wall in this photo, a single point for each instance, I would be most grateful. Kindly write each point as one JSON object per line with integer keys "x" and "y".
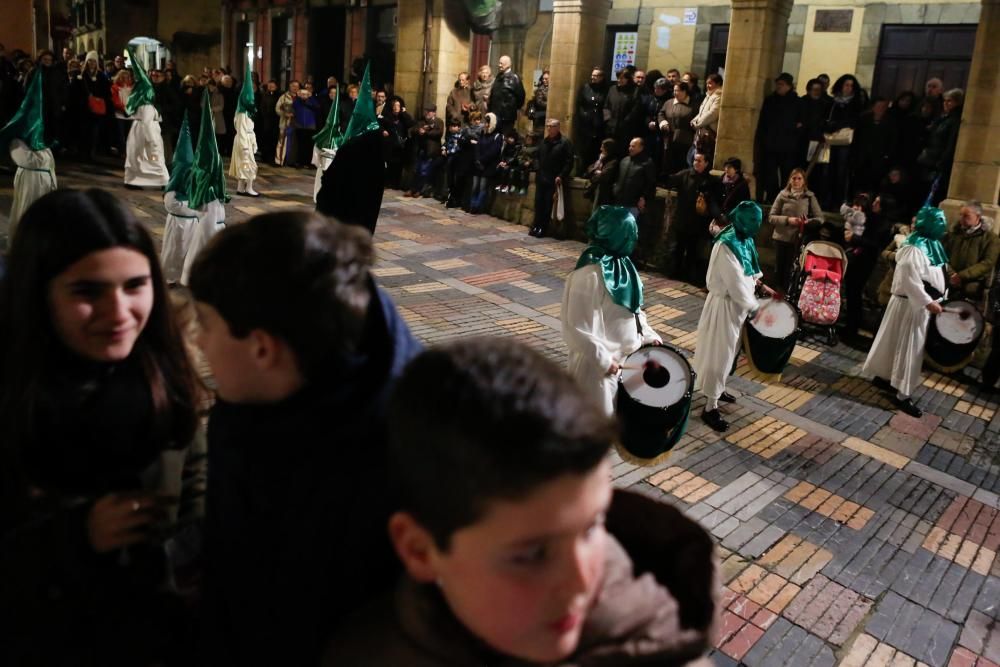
{"x": 623, "y": 55}
{"x": 691, "y": 16}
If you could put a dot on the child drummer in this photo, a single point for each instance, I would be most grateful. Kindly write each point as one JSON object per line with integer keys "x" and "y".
{"x": 602, "y": 315}
{"x": 733, "y": 272}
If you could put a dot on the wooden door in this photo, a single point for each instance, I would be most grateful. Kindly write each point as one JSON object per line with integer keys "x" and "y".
{"x": 911, "y": 54}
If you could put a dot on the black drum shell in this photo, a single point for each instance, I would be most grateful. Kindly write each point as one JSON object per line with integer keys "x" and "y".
{"x": 768, "y": 355}
{"x": 944, "y": 353}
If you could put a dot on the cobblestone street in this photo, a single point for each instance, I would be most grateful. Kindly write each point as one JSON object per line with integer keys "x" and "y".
{"x": 849, "y": 533}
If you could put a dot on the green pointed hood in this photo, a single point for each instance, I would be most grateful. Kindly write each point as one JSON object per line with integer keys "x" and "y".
{"x": 27, "y": 124}
{"x": 613, "y": 233}
{"x": 247, "y": 103}
{"x": 208, "y": 182}
{"x": 744, "y": 223}
{"x": 330, "y": 136}
{"x": 927, "y": 233}
{"x": 180, "y": 168}
{"x": 363, "y": 118}
{"x": 142, "y": 91}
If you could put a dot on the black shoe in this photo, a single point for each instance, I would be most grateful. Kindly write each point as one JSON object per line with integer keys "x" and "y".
{"x": 714, "y": 419}
{"x": 882, "y": 384}
{"x": 129, "y": 186}
{"x": 727, "y": 397}
{"x": 908, "y": 406}
{"x": 536, "y": 232}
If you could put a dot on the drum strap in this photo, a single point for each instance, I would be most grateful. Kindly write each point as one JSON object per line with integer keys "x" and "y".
{"x": 638, "y": 324}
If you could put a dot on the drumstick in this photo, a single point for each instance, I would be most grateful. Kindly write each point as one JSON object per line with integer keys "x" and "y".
{"x": 962, "y": 314}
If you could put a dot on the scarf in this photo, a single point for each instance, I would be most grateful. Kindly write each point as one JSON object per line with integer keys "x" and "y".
{"x": 613, "y": 232}
{"x": 739, "y": 236}
{"x": 927, "y": 234}
{"x": 843, "y": 100}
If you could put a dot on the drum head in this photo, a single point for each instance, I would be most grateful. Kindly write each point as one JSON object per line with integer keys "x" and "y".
{"x": 960, "y": 323}
{"x": 657, "y": 376}
{"x": 777, "y": 318}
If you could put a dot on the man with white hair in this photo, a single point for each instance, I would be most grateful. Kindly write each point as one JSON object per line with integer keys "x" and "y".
{"x": 555, "y": 160}
{"x": 933, "y": 90}
{"x": 506, "y": 95}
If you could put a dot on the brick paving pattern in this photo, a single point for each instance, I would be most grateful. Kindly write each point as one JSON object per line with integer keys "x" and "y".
{"x": 848, "y": 534}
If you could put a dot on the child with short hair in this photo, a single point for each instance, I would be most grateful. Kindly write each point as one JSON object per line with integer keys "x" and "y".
{"x": 303, "y": 348}
{"x": 508, "y": 163}
{"x": 449, "y": 149}
{"x": 855, "y": 216}
{"x": 500, "y": 460}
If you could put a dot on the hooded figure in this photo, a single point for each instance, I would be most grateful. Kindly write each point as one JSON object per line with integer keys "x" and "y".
{"x": 325, "y": 144}
{"x": 207, "y": 194}
{"x": 602, "y": 317}
{"x": 918, "y": 283}
{"x": 181, "y": 220}
{"x": 733, "y": 271}
{"x": 355, "y": 180}
{"x": 145, "y": 162}
{"x": 24, "y": 137}
{"x": 243, "y": 165}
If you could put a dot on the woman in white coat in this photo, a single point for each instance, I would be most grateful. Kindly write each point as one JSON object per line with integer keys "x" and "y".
{"x": 733, "y": 272}
{"x": 895, "y": 358}
{"x": 602, "y": 317}
{"x": 24, "y": 137}
{"x": 145, "y": 159}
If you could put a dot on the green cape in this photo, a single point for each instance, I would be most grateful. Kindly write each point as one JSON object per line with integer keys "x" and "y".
{"x": 247, "y": 103}
{"x": 208, "y": 181}
{"x": 180, "y": 168}
{"x": 363, "y": 118}
{"x": 27, "y": 124}
{"x": 744, "y": 223}
{"x": 330, "y": 136}
{"x": 928, "y": 232}
{"x": 142, "y": 92}
{"x": 613, "y": 232}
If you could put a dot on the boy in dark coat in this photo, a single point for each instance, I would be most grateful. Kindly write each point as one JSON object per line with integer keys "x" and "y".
{"x": 515, "y": 548}
{"x": 303, "y": 349}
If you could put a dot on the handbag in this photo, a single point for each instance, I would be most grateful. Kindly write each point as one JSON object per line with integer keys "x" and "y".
{"x": 558, "y": 205}
{"x": 842, "y": 137}
{"x": 97, "y": 105}
{"x": 701, "y": 204}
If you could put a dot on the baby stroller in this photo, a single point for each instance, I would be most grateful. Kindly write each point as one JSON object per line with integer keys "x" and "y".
{"x": 814, "y": 287}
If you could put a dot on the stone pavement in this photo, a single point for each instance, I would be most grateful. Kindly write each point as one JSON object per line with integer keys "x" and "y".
{"x": 849, "y": 533}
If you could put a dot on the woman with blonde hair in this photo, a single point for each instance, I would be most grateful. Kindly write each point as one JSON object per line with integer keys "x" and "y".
{"x": 481, "y": 88}
{"x": 793, "y": 208}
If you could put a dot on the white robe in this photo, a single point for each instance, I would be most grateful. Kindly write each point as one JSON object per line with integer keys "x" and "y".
{"x": 181, "y": 220}
{"x": 35, "y": 177}
{"x": 730, "y": 300}
{"x": 898, "y": 351}
{"x": 243, "y": 165}
{"x": 597, "y": 332}
{"x": 211, "y": 221}
{"x": 322, "y": 159}
{"x": 145, "y": 163}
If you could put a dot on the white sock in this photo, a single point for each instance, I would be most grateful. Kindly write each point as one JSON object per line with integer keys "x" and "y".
{"x": 901, "y": 397}
{"x": 250, "y": 190}
{"x": 711, "y": 403}
{"x": 241, "y": 186}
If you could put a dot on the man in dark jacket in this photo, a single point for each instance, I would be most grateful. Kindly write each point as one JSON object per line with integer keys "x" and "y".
{"x": 590, "y": 118}
{"x": 776, "y": 139}
{"x": 294, "y": 538}
{"x": 623, "y": 111}
{"x": 426, "y": 137}
{"x": 168, "y": 103}
{"x": 873, "y": 150}
{"x": 688, "y": 237}
{"x": 636, "y": 185}
{"x": 555, "y": 162}
{"x": 506, "y": 95}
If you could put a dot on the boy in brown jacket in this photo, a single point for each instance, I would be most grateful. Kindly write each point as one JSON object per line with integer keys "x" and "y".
{"x": 516, "y": 550}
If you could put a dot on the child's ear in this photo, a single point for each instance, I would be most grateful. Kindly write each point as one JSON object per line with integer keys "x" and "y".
{"x": 266, "y": 348}
{"x": 414, "y": 546}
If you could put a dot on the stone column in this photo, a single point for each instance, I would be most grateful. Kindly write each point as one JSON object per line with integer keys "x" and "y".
{"x": 447, "y": 53}
{"x": 975, "y": 173}
{"x": 754, "y": 58}
{"x": 578, "y": 28}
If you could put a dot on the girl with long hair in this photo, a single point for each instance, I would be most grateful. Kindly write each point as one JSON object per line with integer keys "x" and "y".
{"x": 97, "y": 414}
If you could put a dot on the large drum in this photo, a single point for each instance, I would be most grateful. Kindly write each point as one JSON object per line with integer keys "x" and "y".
{"x": 654, "y": 400}
{"x": 769, "y": 339}
{"x": 952, "y": 336}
